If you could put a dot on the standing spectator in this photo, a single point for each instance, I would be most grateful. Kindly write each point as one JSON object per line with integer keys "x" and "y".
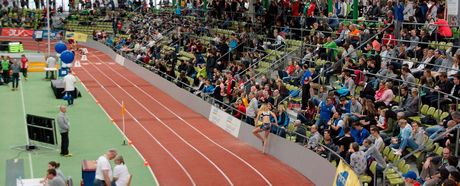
{"x": 5, "y": 69}
{"x": 305, "y": 82}
{"x": 120, "y": 172}
{"x": 409, "y": 10}
{"x": 344, "y": 142}
{"x": 251, "y": 109}
{"x": 64, "y": 125}
{"x": 443, "y": 30}
{"x": 16, "y": 68}
{"x": 50, "y": 63}
{"x": 69, "y": 87}
{"x": 104, "y": 169}
{"x": 24, "y": 66}
{"x": 398, "y": 9}
{"x": 53, "y": 179}
{"x": 325, "y": 111}
{"x": 357, "y": 159}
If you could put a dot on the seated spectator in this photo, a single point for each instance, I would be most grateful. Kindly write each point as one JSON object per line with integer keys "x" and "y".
{"x": 398, "y": 144}
{"x": 53, "y": 180}
{"x": 358, "y": 160}
{"x": 359, "y": 133}
{"x": 315, "y": 139}
{"x": 54, "y": 165}
{"x": 283, "y": 122}
{"x": 344, "y": 142}
{"x": 387, "y": 96}
{"x": 407, "y": 77}
{"x": 328, "y": 142}
{"x": 411, "y": 178}
{"x": 410, "y": 105}
{"x": 337, "y": 125}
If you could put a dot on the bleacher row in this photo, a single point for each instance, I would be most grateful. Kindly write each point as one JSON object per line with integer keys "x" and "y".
{"x": 393, "y": 174}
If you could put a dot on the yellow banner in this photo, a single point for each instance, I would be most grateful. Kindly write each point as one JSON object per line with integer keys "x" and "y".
{"x": 345, "y": 176}
{"x": 76, "y": 36}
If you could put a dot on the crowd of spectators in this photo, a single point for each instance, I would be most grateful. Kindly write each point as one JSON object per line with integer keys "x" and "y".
{"x": 377, "y": 72}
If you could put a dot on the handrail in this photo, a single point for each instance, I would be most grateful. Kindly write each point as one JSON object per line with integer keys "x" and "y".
{"x": 409, "y": 83}
{"x": 420, "y": 42}
{"x": 354, "y": 50}
{"x": 261, "y": 59}
{"x": 239, "y": 45}
{"x": 213, "y": 100}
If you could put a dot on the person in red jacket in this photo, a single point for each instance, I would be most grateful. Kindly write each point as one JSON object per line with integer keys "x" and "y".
{"x": 311, "y": 9}
{"x": 240, "y": 109}
{"x": 443, "y": 30}
{"x": 295, "y": 8}
{"x": 388, "y": 38}
{"x": 24, "y": 65}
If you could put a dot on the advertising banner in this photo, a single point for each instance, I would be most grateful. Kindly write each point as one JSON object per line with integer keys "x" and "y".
{"x": 225, "y": 121}
{"x": 16, "y": 32}
{"x": 43, "y": 34}
{"x": 452, "y": 12}
{"x": 76, "y": 36}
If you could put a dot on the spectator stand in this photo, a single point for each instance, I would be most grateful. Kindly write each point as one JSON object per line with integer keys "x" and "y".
{"x": 335, "y": 72}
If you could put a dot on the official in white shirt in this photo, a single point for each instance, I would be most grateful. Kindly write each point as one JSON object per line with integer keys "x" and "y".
{"x": 120, "y": 172}
{"x": 104, "y": 169}
{"x": 50, "y": 63}
{"x": 69, "y": 87}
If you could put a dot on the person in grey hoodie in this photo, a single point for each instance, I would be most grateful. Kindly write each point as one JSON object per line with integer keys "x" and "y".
{"x": 64, "y": 125}
{"x": 16, "y": 68}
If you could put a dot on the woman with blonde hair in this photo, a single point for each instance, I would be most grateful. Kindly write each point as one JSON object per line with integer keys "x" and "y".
{"x": 264, "y": 115}
{"x": 120, "y": 172}
{"x": 283, "y": 121}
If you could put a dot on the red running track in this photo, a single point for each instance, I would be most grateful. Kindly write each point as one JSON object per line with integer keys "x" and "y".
{"x": 182, "y": 147}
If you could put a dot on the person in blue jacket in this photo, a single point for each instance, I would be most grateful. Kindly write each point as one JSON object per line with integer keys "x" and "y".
{"x": 283, "y": 122}
{"x": 325, "y": 111}
{"x": 359, "y": 133}
{"x": 398, "y": 11}
{"x": 305, "y": 82}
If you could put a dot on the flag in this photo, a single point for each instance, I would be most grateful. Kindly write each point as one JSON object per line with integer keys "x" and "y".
{"x": 345, "y": 176}
{"x": 123, "y": 108}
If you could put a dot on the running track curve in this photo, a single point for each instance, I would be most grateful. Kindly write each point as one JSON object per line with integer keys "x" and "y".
{"x": 182, "y": 147}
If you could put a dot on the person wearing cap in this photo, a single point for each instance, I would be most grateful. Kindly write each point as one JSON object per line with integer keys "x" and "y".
{"x": 411, "y": 179}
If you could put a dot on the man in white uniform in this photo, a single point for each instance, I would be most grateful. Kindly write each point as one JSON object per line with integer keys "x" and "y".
{"x": 50, "y": 63}
{"x": 69, "y": 87}
{"x": 104, "y": 169}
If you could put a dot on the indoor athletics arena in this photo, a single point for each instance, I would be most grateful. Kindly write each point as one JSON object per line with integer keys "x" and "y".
{"x": 229, "y": 92}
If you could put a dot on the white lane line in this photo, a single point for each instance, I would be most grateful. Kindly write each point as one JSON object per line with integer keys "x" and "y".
{"x": 150, "y": 134}
{"x": 25, "y": 124}
{"x": 186, "y": 122}
{"x": 164, "y": 124}
{"x": 123, "y": 134}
